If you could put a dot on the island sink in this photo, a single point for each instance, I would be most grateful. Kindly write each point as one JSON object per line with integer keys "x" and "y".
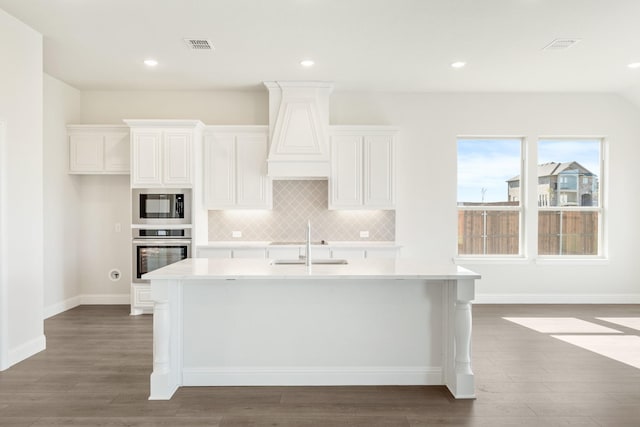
{"x": 313, "y": 261}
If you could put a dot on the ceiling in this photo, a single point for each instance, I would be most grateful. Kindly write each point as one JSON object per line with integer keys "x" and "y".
{"x": 379, "y": 45}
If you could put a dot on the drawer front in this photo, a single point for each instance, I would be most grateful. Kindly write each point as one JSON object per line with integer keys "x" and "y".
{"x": 142, "y": 296}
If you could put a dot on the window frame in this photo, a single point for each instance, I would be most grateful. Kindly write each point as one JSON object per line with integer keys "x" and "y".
{"x": 600, "y": 209}
{"x": 521, "y": 208}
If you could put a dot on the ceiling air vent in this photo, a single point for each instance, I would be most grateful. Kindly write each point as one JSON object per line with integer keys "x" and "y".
{"x": 561, "y": 44}
{"x": 199, "y": 44}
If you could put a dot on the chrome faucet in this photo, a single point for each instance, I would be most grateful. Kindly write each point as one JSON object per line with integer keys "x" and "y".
{"x": 307, "y": 261}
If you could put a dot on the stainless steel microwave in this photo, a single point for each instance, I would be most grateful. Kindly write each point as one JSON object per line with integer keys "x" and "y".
{"x": 161, "y": 206}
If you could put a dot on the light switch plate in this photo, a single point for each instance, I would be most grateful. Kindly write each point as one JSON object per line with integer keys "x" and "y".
{"x": 236, "y": 234}
{"x": 364, "y": 234}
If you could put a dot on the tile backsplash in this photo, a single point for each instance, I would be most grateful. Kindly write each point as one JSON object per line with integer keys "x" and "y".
{"x": 295, "y": 202}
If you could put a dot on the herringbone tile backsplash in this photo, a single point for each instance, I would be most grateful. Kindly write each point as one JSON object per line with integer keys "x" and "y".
{"x": 295, "y": 202}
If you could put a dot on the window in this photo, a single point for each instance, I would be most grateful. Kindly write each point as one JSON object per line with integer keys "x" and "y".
{"x": 489, "y": 196}
{"x": 571, "y": 222}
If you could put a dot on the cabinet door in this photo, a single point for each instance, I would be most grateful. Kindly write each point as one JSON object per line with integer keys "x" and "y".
{"x": 347, "y": 253}
{"x": 214, "y": 253}
{"x": 381, "y": 253}
{"x": 86, "y": 153}
{"x": 317, "y": 252}
{"x": 116, "y": 153}
{"x": 252, "y": 183}
{"x": 346, "y": 172}
{"x": 283, "y": 253}
{"x": 379, "y": 172}
{"x": 177, "y": 158}
{"x": 219, "y": 171}
{"x": 146, "y": 158}
{"x": 249, "y": 253}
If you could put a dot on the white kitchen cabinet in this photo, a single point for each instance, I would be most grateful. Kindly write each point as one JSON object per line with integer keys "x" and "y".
{"x": 214, "y": 253}
{"x": 235, "y": 168}
{"x": 292, "y": 252}
{"x": 162, "y": 152}
{"x": 141, "y": 301}
{"x": 248, "y": 253}
{"x": 362, "y": 167}
{"x": 381, "y": 253}
{"x": 317, "y": 252}
{"x": 178, "y": 158}
{"x": 98, "y": 149}
{"x": 347, "y": 253}
{"x": 146, "y": 155}
{"x": 356, "y": 251}
{"x": 231, "y": 252}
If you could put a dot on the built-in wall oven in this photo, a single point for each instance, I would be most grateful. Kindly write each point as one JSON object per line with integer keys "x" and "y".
{"x": 154, "y": 248}
{"x": 161, "y": 206}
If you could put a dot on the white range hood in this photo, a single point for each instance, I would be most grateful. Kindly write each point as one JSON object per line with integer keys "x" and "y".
{"x": 298, "y": 130}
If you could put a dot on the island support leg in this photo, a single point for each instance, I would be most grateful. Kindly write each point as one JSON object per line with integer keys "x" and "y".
{"x": 164, "y": 379}
{"x": 460, "y": 379}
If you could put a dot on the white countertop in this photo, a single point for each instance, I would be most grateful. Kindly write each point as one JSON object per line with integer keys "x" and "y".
{"x": 253, "y": 268}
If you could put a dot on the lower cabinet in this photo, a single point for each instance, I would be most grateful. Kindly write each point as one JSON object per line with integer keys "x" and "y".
{"x": 382, "y": 253}
{"x": 294, "y": 252}
{"x": 317, "y": 252}
{"x": 214, "y": 253}
{"x": 141, "y": 299}
{"x": 231, "y": 252}
{"x": 283, "y": 253}
{"x": 347, "y": 253}
{"x": 248, "y": 253}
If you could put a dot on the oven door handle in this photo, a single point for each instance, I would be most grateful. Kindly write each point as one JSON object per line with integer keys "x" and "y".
{"x": 161, "y": 242}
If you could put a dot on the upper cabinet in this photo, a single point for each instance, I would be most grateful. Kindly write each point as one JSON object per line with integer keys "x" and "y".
{"x": 235, "y": 168}
{"x": 97, "y": 149}
{"x": 362, "y": 167}
{"x": 162, "y": 152}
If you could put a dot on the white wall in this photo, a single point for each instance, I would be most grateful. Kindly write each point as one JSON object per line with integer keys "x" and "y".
{"x": 426, "y": 225}
{"x": 104, "y": 202}
{"x": 61, "y": 199}
{"x": 430, "y": 122}
{"x": 21, "y": 180}
{"x": 213, "y": 108}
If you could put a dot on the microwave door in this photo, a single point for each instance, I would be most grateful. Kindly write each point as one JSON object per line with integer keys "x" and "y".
{"x": 157, "y": 207}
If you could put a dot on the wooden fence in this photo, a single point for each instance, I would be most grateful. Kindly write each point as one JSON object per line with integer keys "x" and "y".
{"x": 572, "y": 233}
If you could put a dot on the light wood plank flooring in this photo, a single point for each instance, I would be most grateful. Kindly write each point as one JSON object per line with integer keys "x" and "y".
{"x": 95, "y": 372}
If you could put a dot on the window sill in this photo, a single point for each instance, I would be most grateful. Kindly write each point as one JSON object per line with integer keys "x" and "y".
{"x": 490, "y": 260}
{"x": 571, "y": 261}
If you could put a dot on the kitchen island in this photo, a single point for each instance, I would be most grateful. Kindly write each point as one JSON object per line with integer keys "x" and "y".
{"x": 230, "y": 322}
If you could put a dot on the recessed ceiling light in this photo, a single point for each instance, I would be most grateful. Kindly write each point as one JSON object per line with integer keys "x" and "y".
{"x": 458, "y": 64}
{"x": 150, "y": 62}
{"x": 307, "y": 63}
{"x": 634, "y": 65}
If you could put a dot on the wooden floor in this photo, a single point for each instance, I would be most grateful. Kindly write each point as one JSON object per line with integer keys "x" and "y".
{"x": 95, "y": 372}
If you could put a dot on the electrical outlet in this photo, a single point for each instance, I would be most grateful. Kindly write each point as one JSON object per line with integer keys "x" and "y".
{"x": 236, "y": 234}
{"x": 364, "y": 234}
{"x": 118, "y": 227}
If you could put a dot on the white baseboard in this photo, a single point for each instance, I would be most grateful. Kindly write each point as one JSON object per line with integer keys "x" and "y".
{"x": 318, "y": 376}
{"x": 26, "y": 350}
{"x": 105, "y": 299}
{"x": 87, "y": 299}
{"x": 557, "y": 299}
{"x": 61, "y": 306}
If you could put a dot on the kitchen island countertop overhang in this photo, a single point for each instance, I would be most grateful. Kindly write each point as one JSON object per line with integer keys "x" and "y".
{"x": 223, "y": 322}
{"x": 258, "y": 268}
